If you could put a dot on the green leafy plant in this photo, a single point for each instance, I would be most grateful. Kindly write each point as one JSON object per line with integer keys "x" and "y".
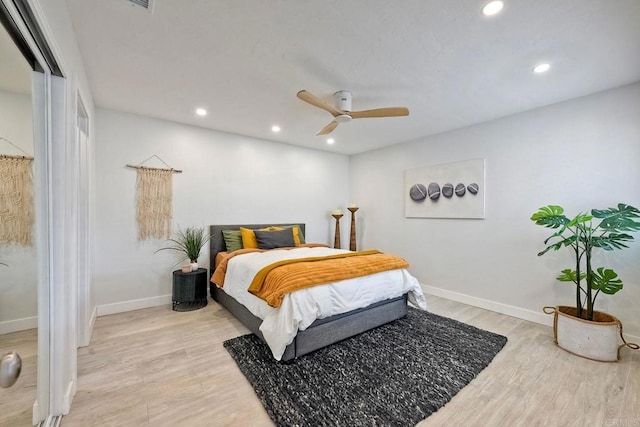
{"x": 581, "y": 235}
{"x": 188, "y": 241}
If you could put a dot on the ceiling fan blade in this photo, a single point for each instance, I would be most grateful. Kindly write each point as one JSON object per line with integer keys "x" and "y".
{"x": 317, "y": 102}
{"x": 328, "y": 128}
{"x": 380, "y": 112}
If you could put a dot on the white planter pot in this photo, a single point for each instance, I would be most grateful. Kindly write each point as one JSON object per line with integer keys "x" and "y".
{"x": 194, "y": 266}
{"x": 596, "y": 340}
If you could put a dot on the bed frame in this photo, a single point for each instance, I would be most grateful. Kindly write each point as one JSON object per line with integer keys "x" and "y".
{"x": 320, "y": 333}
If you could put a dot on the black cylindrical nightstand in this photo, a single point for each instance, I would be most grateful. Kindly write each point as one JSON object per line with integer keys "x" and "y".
{"x": 189, "y": 290}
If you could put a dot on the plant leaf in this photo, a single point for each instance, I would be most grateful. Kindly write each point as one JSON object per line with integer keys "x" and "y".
{"x": 569, "y": 275}
{"x": 611, "y": 241}
{"x": 550, "y": 216}
{"x": 606, "y": 280}
{"x": 569, "y": 241}
{"x": 580, "y": 219}
{"x": 622, "y": 218}
{"x": 188, "y": 241}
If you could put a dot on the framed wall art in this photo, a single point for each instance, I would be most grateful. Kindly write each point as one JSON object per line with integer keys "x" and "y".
{"x": 450, "y": 190}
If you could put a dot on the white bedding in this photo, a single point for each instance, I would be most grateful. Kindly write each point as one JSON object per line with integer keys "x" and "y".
{"x": 301, "y": 308}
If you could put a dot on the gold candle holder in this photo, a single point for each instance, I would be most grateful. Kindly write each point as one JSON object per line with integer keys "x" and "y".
{"x": 352, "y": 242}
{"x": 336, "y": 240}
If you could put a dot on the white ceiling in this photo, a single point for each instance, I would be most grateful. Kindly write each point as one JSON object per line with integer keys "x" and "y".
{"x": 244, "y": 61}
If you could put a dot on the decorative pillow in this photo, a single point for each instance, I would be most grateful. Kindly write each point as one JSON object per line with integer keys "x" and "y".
{"x": 249, "y": 238}
{"x": 275, "y": 239}
{"x": 232, "y": 240}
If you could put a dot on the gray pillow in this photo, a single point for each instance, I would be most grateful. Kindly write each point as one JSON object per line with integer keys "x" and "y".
{"x": 275, "y": 239}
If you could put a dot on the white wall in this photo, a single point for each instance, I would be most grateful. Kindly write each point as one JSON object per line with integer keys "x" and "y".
{"x": 580, "y": 154}
{"x": 226, "y": 179}
{"x": 18, "y": 286}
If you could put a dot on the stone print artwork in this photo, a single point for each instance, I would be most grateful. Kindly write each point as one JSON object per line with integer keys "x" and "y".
{"x": 430, "y": 192}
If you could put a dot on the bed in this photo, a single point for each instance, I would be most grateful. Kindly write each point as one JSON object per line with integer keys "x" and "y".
{"x": 322, "y": 331}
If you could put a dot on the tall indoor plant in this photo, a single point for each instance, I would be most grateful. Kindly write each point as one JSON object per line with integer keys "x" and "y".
{"x": 582, "y": 234}
{"x": 190, "y": 242}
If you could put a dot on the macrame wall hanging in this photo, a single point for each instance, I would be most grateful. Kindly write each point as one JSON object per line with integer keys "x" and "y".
{"x": 154, "y": 200}
{"x": 16, "y": 198}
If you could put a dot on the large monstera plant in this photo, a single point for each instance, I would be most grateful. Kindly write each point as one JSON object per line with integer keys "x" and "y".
{"x": 582, "y": 234}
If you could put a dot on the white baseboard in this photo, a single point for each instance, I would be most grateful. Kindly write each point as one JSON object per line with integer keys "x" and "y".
{"x": 85, "y": 340}
{"x": 92, "y": 322}
{"x": 509, "y": 310}
{"x": 121, "y": 307}
{"x": 37, "y": 416}
{"x": 18, "y": 325}
{"x": 68, "y": 397}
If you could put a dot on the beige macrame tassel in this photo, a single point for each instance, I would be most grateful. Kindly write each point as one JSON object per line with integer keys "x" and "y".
{"x": 16, "y": 200}
{"x": 154, "y": 204}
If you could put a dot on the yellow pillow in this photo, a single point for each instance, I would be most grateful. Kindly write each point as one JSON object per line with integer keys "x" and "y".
{"x": 249, "y": 237}
{"x": 296, "y": 235}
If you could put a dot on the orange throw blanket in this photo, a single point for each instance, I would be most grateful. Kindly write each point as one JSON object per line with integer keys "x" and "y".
{"x": 220, "y": 271}
{"x": 282, "y": 277}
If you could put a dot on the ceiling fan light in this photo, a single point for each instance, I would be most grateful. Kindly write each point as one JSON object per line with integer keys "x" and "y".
{"x": 343, "y": 118}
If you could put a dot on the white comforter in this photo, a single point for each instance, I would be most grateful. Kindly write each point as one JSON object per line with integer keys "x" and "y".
{"x": 301, "y": 308}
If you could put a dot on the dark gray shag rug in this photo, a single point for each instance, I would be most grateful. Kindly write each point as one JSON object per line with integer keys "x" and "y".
{"x": 395, "y": 375}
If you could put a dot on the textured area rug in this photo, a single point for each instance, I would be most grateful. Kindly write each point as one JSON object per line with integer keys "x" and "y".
{"x": 395, "y": 375}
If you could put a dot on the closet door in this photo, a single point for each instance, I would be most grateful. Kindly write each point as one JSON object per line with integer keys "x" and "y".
{"x": 33, "y": 321}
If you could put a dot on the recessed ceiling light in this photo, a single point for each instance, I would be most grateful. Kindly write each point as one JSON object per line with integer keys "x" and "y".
{"x": 330, "y": 141}
{"x": 201, "y": 111}
{"x": 541, "y": 68}
{"x": 492, "y": 8}
{"x": 275, "y": 128}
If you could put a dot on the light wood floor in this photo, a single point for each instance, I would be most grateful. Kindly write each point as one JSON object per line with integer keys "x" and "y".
{"x": 165, "y": 368}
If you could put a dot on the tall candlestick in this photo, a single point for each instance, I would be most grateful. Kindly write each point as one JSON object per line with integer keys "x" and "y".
{"x": 352, "y": 242}
{"x": 336, "y": 240}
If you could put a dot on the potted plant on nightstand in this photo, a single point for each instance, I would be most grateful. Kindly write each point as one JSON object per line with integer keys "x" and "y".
{"x": 190, "y": 242}
{"x": 581, "y": 329}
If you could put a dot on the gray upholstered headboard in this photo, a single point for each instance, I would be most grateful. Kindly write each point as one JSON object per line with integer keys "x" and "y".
{"x": 216, "y": 242}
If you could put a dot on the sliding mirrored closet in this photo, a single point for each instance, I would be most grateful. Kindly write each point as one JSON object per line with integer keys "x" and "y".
{"x": 37, "y": 312}
{"x": 18, "y": 276}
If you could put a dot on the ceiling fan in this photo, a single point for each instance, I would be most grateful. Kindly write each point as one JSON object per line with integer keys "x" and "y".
{"x": 342, "y": 111}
